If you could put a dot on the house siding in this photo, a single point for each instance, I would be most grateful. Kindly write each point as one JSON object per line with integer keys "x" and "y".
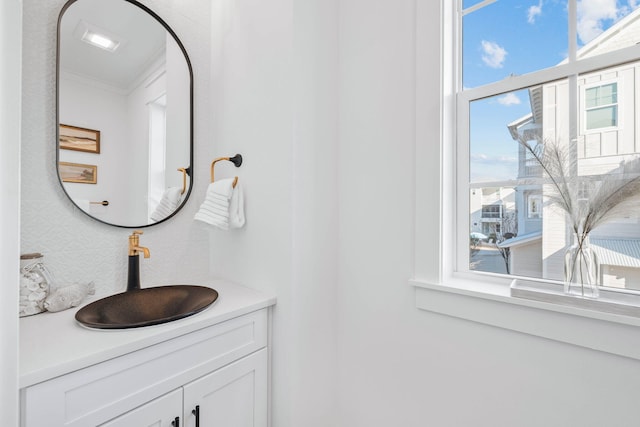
{"x": 526, "y": 260}
{"x": 620, "y": 277}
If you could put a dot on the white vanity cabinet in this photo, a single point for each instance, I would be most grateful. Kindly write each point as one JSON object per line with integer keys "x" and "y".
{"x": 233, "y": 396}
{"x": 165, "y": 411}
{"x": 220, "y": 371}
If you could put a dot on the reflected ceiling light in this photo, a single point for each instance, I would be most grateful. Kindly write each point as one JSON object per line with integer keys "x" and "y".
{"x": 97, "y": 37}
{"x": 100, "y": 41}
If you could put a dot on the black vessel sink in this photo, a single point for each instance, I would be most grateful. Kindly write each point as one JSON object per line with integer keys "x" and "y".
{"x": 145, "y": 307}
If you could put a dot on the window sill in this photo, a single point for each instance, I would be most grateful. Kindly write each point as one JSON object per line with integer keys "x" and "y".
{"x": 610, "y": 300}
{"x": 492, "y": 304}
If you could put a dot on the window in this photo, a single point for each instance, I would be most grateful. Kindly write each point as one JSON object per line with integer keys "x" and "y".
{"x": 157, "y": 151}
{"x": 491, "y": 211}
{"x": 601, "y": 106}
{"x": 534, "y": 206}
{"x": 540, "y": 88}
{"x": 442, "y": 280}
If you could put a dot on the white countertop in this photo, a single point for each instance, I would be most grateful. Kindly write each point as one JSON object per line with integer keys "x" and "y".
{"x": 54, "y": 344}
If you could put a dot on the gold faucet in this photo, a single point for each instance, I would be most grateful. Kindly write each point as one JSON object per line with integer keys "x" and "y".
{"x": 133, "y": 278}
{"x": 134, "y": 245}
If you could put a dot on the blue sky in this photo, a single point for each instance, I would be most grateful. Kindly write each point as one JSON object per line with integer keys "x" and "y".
{"x": 517, "y": 37}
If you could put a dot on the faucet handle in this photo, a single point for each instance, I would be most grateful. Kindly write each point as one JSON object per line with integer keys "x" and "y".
{"x": 134, "y": 243}
{"x": 133, "y": 239}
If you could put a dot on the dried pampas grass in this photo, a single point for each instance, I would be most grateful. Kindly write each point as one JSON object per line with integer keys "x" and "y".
{"x": 588, "y": 200}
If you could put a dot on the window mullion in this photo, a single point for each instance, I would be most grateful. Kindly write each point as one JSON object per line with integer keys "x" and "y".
{"x": 573, "y": 81}
{"x": 477, "y": 6}
{"x": 573, "y": 31}
{"x": 460, "y": 229}
{"x": 558, "y": 72}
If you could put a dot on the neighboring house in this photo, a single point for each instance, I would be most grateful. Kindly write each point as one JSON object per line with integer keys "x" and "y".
{"x": 493, "y": 211}
{"x": 606, "y": 127}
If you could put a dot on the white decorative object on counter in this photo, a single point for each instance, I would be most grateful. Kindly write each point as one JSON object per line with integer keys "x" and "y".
{"x": 68, "y": 296}
{"x": 35, "y": 283}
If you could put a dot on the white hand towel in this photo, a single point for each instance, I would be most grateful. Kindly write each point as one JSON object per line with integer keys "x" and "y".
{"x": 222, "y": 188}
{"x": 168, "y": 204}
{"x": 236, "y": 208}
{"x": 223, "y": 206}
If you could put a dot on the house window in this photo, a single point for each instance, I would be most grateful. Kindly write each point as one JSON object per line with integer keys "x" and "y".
{"x": 534, "y": 206}
{"x": 491, "y": 211}
{"x": 601, "y": 106}
{"x": 515, "y": 90}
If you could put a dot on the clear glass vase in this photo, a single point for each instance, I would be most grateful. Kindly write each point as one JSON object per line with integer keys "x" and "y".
{"x": 581, "y": 269}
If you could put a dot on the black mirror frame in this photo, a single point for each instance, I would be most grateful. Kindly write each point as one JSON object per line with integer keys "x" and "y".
{"x": 189, "y": 169}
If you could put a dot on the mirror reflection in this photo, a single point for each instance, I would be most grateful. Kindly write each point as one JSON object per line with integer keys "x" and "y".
{"x": 124, "y": 113}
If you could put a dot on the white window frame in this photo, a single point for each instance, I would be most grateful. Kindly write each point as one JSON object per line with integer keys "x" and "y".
{"x": 157, "y": 117}
{"x": 483, "y": 298}
{"x": 584, "y": 109}
{"x": 531, "y": 197}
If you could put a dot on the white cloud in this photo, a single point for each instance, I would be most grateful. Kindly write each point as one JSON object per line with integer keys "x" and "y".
{"x": 625, "y": 10}
{"x": 490, "y": 168}
{"x": 479, "y": 157}
{"x": 592, "y": 15}
{"x": 509, "y": 99}
{"x": 488, "y": 159}
{"x": 533, "y": 12}
{"x": 493, "y": 54}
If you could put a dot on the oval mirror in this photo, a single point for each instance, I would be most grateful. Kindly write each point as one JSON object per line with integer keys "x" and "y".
{"x": 124, "y": 113}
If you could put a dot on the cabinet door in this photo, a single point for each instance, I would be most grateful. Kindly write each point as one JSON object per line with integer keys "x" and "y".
{"x": 233, "y": 396}
{"x": 161, "y": 412}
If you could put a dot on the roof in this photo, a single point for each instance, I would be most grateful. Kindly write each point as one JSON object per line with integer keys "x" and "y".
{"x": 523, "y": 239}
{"x": 618, "y": 252}
{"x": 624, "y": 33}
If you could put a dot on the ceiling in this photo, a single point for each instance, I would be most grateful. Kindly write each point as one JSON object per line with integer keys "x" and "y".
{"x": 144, "y": 42}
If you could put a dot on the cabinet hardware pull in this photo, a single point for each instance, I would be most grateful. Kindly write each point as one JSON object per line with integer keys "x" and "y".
{"x": 196, "y": 412}
{"x": 176, "y": 422}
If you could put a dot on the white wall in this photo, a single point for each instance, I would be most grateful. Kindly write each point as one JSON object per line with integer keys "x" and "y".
{"x": 177, "y": 155}
{"x": 10, "y": 31}
{"x": 405, "y": 367}
{"x": 78, "y": 107}
{"x": 275, "y": 102}
{"x": 138, "y": 121}
{"x": 77, "y": 248}
{"x": 274, "y": 95}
